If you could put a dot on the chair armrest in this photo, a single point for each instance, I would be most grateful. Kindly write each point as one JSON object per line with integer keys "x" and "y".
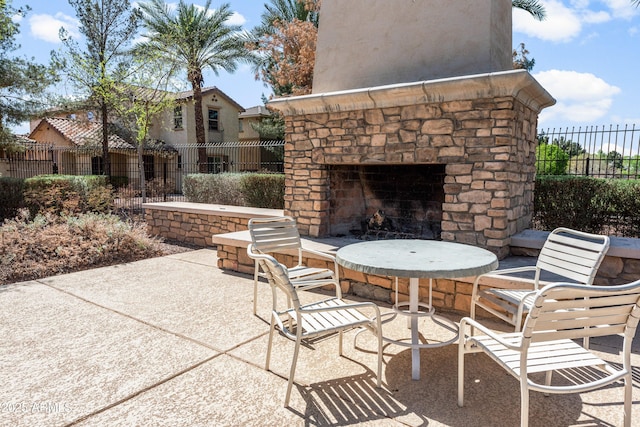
{"x": 476, "y": 325}
{"x": 328, "y": 257}
{"x": 319, "y": 253}
{"x": 505, "y": 272}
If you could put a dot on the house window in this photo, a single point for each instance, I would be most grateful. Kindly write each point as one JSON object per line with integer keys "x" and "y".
{"x": 149, "y": 169}
{"x": 213, "y": 120}
{"x": 97, "y": 166}
{"x": 90, "y": 116}
{"x": 217, "y": 164}
{"x": 177, "y": 117}
{"x": 179, "y": 161}
{"x": 240, "y": 126}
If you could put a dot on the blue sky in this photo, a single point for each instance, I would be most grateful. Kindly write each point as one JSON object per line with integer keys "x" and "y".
{"x": 586, "y": 55}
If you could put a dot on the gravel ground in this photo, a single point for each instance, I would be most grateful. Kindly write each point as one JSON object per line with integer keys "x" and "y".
{"x": 170, "y": 247}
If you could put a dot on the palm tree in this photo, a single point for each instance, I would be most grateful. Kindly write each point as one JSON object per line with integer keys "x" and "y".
{"x": 193, "y": 39}
{"x": 531, "y": 6}
{"x": 284, "y": 11}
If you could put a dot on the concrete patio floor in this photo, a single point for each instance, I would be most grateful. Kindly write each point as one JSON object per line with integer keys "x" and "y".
{"x": 171, "y": 341}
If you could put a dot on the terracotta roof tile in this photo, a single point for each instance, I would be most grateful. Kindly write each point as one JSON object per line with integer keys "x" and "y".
{"x": 83, "y": 133}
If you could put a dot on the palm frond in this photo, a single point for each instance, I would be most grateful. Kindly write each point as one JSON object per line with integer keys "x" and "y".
{"x": 534, "y": 7}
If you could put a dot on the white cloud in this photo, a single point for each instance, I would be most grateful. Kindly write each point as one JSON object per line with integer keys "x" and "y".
{"x": 47, "y": 27}
{"x": 581, "y": 97}
{"x": 561, "y": 25}
{"x": 236, "y": 19}
{"x": 593, "y": 17}
{"x": 564, "y": 23}
{"x": 623, "y": 9}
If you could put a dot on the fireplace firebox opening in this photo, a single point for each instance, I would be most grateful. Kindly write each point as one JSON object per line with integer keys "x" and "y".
{"x": 386, "y": 201}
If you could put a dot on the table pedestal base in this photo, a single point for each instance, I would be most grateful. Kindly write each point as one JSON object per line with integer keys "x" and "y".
{"x": 413, "y": 315}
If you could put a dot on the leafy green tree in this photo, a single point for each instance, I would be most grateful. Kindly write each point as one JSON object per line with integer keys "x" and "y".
{"x": 569, "y": 147}
{"x": 194, "y": 39}
{"x": 23, "y": 83}
{"x": 615, "y": 159}
{"x": 551, "y": 160}
{"x": 142, "y": 97}
{"x": 96, "y": 69}
{"x": 270, "y": 128}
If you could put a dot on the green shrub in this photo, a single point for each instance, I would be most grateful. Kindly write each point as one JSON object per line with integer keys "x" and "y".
{"x": 222, "y": 188}
{"x": 263, "y": 190}
{"x": 626, "y": 206}
{"x": 260, "y": 190}
{"x": 606, "y": 206}
{"x": 551, "y": 160}
{"x": 58, "y": 194}
{"x": 11, "y": 196}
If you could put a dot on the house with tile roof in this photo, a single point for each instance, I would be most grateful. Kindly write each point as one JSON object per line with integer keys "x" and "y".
{"x": 171, "y": 131}
{"x": 78, "y": 148}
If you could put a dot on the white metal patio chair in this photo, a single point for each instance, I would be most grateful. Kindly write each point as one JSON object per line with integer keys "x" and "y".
{"x": 280, "y": 234}
{"x": 573, "y": 255}
{"x": 299, "y": 322}
{"x": 561, "y": 313}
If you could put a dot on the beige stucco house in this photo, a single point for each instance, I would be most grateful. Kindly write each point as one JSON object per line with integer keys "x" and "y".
{"x": 173, "y": 132}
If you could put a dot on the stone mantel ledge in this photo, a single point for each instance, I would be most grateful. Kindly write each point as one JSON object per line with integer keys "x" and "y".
{"x": 209, "y": 209}
{"x": 622, "y": 247}
{"x": 518, "y": 84}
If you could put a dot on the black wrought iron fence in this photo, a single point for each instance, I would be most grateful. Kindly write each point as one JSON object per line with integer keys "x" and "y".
{"x": 162, "y": 170}
{"x": 601, "y": 152}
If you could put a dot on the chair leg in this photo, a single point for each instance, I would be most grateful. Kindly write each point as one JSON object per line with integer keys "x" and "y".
{"x": 461, "y": 372}
{"x": 292, "y": 372}
{"x": 627, "y": 399}
{"x": 379, "y": 334}
{"x": 272, "y": 328}
{"x": 340, "y": 343}
{"x": 547, "y": 381}
{"x": 255, "y": 288}
{"x": 524, "y": 403}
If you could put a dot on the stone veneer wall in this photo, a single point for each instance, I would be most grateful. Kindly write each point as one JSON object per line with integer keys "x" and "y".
{"x": 192, "y": 228}
{"x": 195, "y": 223}
{"x": 488, "y": 146}
{"x": 452, "y": 295}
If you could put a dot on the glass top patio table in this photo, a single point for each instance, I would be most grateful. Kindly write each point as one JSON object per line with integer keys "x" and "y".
{"x": 417, "y": 259}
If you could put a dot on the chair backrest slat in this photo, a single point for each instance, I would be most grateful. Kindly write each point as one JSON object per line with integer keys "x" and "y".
{"x": 563, "y": 310}
{"x": 577, "y": 333}
{"x": 577, "y": 239}
{"x": 274, "y": 234}
{"x": 582, "y": 322}
{"x": 573, "y": 254}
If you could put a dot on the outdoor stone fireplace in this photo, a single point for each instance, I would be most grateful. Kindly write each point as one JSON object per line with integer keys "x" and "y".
{"x": 480, "y": 129}
{"x": 435, "y": 130}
